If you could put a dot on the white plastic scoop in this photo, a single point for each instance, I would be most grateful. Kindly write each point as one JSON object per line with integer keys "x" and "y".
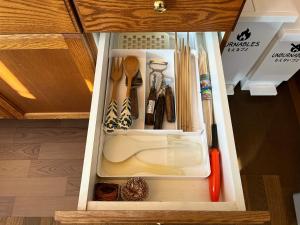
{"x": 165, "y": 149}
{"x": 134, "y": 166}
{"x": 118, "y": 148}
{"x": 176, "y": 157}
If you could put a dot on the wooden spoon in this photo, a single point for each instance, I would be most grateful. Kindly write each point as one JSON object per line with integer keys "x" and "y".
{"x": 131, "y": 67}
{"x": 111, "y": 118}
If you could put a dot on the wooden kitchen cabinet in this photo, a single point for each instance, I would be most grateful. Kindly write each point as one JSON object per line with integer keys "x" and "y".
{"x": 4, "y": 115}
{"x": 49, "y": 74}
{"x": 139, "y": 15}
{"x": 173, "y": 200}
{"x": 46, "y": 75}
{"x": 35, "y": 16}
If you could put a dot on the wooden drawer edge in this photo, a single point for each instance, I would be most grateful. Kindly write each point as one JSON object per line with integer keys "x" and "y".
{"x": 187, "y": 217}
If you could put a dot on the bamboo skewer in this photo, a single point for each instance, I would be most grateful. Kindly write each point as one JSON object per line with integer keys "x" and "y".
{"x": 183, "y": 80}
{"x": 186, "y": 106}
{"x": 206, "y": 97}
{"x": 177, "y": 82}
{"x": 183, "y": 90}
{"x": 189, "y": 75}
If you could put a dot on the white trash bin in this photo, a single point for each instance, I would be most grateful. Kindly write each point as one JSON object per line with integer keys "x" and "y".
{"x": 279, "y": 63}
{"x": 258, "y": 24}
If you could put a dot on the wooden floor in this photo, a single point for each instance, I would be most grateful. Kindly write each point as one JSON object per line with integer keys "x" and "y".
{"x": 40, "y": 166}
{"x": 41, "y": 161}
{"x": 267, "y": 136}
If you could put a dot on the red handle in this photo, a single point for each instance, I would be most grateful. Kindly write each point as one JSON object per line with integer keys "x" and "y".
{"x": 215, "y": 176}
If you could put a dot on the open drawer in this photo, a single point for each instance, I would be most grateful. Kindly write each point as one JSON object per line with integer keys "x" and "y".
{"x": 176, "y": 200}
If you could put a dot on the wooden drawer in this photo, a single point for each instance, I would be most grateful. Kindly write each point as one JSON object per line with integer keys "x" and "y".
{"x": 34, "y": 16}
{"x": 172, "y": 206}
{"x": 139, "y": 15}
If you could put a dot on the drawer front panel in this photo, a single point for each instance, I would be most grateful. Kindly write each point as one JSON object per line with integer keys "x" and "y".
{"x": 34, "y": 16}
{"x": 139, "y": 15}
{"x": 163, "y": 217}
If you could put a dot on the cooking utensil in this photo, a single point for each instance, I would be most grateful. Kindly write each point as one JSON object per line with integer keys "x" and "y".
{"x": 137, "y": 81}
{"x": 184, "y": 80}
{"x": 211, "y": 128}
{"x": 173, "y": 156}
{"x": 151, "y": 101}
{"x": 131, "y": 67}
{"x": 134, "y": 166}
{"x": 170, "y": 105}
{"x": 177, "y": 82}
{"x": 206, "y": 94}
{"x": 168, "y": 161}
{"x": 111, "y": 119}
{"x": 159, "y": 111}
{"x": 215, "y": 175}
{"x": 118, "y": 148}
{"x": 156, "y": 80}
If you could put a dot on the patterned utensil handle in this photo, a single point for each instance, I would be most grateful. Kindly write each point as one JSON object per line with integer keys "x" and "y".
{"x": 125, "y": 119}
{"x": 111, "y": 119}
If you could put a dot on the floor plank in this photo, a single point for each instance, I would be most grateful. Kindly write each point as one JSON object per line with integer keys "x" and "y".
{"x": 75, "y": 123}
{"x": 7, "y": 135}
{"x": 32, "y": 221}
{"x": 254, "y": 193}
{"x": 275, "y": 200}
{"x": 6, "y": 206}
{"x": 47, "y": 221}
{"x": 73, "y": 186}
{"x": 38, "y": 123}
{"x": 14, "y": 168}
{"x": 267, "y": 132}
{"x": 37, "y": 209}
{"x": 55, "y": 168}
{"x": 46, "y": 135}
{"x": 14, "y": 221}
{"x": 33, "y": 186}
{"x": 294, "y": 86}
{"x": 62, "y": 151}
{"x": 19, "y": 151}
{"x": 3, "y": 220}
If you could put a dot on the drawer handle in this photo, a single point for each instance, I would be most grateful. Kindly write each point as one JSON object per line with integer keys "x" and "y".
{"x": 159, "y": 6}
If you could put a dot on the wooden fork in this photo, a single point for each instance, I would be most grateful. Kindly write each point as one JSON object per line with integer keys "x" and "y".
{"x": 111, "y": 119}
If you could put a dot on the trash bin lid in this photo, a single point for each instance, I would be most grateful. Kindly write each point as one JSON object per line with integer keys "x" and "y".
{"x": 269, "y": 11}
{"x": 291, "y": 31}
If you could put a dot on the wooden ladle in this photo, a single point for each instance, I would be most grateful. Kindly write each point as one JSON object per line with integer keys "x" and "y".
{"x": 131, "y": 67}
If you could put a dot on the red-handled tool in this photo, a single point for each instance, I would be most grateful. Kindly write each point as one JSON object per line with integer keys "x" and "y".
{"x": 211, "y": 127}
{"x": 215, "y": 175}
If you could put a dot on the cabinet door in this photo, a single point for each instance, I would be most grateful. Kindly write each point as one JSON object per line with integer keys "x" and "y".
{"x": 47, "y": 75}
{"x": 35, "y": 16}
{"x": 3, "y": 115}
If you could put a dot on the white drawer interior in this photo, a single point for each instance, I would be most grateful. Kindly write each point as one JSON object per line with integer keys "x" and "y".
{"x": 165, "y": 193}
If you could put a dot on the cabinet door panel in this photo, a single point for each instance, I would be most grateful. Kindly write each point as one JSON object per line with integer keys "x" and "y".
{"x": 41, "y": 75}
